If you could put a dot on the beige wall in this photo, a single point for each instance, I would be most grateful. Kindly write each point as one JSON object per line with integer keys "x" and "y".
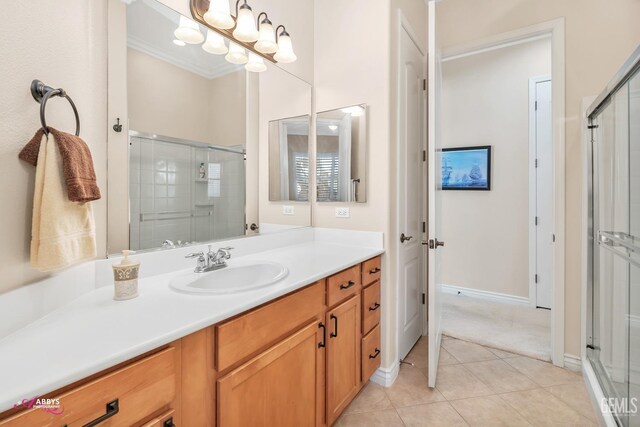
{"x": 599, "y": 36}
{"x": 485, "y": 101}
{"x": 65, "y": 48}
{"x": 167, "y": 100}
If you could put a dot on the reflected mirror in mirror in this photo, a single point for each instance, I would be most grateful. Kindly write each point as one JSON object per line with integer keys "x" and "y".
{"x": 289, "y": 159}
{"x": 191, "y": 134}
{"x": 341, "y": 149}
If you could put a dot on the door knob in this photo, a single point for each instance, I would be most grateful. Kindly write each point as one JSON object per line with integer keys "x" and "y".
{"x": 404, "y": 238}
{"x": 434, "y": 243}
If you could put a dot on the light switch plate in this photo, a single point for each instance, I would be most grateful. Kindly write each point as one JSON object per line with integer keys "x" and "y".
{"x": 288, "y": 210}
{"x": 343, "y": 213}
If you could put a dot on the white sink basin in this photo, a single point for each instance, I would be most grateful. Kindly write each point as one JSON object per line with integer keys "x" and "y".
{"x": 236, "y": 277}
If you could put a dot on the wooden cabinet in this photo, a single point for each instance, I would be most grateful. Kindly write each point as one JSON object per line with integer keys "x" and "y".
{"x": 280, "y": 387}
{"x": 343, "y": 356}
{"x": 371, "y": 270}
{"x": 370, "y": 353}
{"x": 342, "y": 285}
{"x": 370, "y": 307}
{"x": 164, "y": 420}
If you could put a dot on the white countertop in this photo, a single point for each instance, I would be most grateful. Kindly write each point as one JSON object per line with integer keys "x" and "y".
{"x": 94, "y": 332}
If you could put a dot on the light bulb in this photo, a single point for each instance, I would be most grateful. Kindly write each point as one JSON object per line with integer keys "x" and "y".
{"x": 267, "y": 38}
{"x": 333, "y": 128}
{"x": 246, "y": 30}
{"x": 355, "y": 111}
{"x": 255, "y": 64}
{"x": 285, "y": 49}
{"x": 188, "y": 31}
{"x": 214, "y": 44}
{"x": 236, "y": 55}
{"x": 218, "y": 15}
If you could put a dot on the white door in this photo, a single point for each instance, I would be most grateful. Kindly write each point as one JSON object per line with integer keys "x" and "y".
{"x": 543, "y": 217}
{"x": 434, "y": 191}
{"x": 410, "y": 192}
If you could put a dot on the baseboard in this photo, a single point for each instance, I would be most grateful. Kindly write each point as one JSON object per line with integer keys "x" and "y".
{"x": 593, "y": 387}
{"x": 386, "y": 377}
{"x": 573, "y": 363}
{"x": 486, "y": 295}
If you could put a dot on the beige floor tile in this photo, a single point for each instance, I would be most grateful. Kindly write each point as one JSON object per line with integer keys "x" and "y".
{"x": 371, "y": 398}
{"x": 456, "y": 382}
{"x": 489, "y": 411}
{"x": 419, "y": 355}
{"x": 446, "y": 358}
{"x": 500, "y": 376}
{"x": 467, "y": 352}
{"x": 541, "y": 408}
{"x": 439, "y": 414}
{"x": 543, "y": 373}
{"x": 501, "y": 353}
{"x": 410, "y": 388}
{"x": 577, "y": 397}
{"x": 388, "y": 418}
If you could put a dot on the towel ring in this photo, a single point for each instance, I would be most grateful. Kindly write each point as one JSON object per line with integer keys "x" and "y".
{"x": 41, "y": 93}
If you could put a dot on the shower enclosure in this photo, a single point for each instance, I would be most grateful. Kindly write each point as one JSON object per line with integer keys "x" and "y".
{"x": 183, "y": 191}
{"x": 613, "y": 322}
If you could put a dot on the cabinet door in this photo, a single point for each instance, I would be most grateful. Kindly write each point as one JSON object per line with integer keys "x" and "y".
{"x": 281, "y": 387}
{"x": 343, "y": 356}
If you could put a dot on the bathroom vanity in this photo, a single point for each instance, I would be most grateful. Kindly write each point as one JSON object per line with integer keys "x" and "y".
{"x": 296, "y": 359}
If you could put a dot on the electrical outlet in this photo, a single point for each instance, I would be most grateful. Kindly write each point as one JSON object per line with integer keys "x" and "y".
{"x": 288, "y": 210}
{"x": 343, "y": 213}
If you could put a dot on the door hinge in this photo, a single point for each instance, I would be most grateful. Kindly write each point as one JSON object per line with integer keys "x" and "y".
{"x": 424, "y": 227}
{"x": 535, "y": 278}
{"x": 424, "y": 155}
{"x": 535, "y": 220}
{"x": 553, "y": 238}
{"x": 536, "y": 106}
{"x": 536, "y": 163}
{"x": 424, "y": 298}
{"x": 424, "y": 84}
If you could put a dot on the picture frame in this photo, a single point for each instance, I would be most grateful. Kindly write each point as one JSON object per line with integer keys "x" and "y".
{"x": 466, "y": 168}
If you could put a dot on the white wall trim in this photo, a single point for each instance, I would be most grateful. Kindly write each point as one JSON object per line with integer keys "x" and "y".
{"x": 596, "y": 394}
{"x": 573, "y": 363}
{"x": 554, "y": 28}
{"x": 386, "y": 377}
{"x": 486, "y": 295}
{"x": 450, "y": 56}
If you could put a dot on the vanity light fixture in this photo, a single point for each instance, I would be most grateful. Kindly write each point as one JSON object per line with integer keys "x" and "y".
{"x": 333, "y": 128}
{"x": 245, "y": 30}
{"x": 237, "y": 54}
{"x": 285, "y": 48}
{"x": 188, "y": 31}
{"x": 215, "y": 44}
{"x": 267, "y": 36}
{"x": 179, "y": 42}
{"x": 255, "y": 64}
{"x": 219, "y": 15}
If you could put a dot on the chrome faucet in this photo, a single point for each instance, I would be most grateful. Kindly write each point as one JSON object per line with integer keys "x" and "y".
{"x": 212, "y": 260}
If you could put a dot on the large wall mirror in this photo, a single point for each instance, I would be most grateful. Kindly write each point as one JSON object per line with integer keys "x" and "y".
{"x": 341, "y": 155}
{"x": 186, "y": 165}
{"x": 289, "y": 159}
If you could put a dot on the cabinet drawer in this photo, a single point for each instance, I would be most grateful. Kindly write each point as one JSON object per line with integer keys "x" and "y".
{"x": 141, "y": 389}
{"x": 342, "y": 285}
{"x": 370, "y": 353}
{"x": 371, "y": 270}
{"x": 245, "y": 335}
{"x": 370, "y": 307}
{"x": 164, "y": 420}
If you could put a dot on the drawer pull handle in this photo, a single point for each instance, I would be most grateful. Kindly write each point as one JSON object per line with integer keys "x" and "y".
{"x": 374, "y": 307}
{"x": 374, "y": 271}
{"x": 112, "y": 409}
{"x": 324, "y": 335}
{"x": 374, "y": 355}
{"x": 168, "y": 423}
{"x": 335, "y": 326}
{"x": 347, "y": 285}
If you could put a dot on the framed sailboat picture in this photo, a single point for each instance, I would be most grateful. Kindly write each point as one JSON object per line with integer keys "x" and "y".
{"x": 466, "y": 168}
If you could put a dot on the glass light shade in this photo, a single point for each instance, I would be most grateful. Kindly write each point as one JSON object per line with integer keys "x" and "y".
{"x": 246, "y": 30}
{"x": 255, "y": 64}
{"x": 266, "y": 39}
{"x": 237, "y": 54}
{"x": 179, "y": 42}
{"x": 214, "y": 44}
{"x": 285, "y": 50}
{"x": 355, "y": 111}
{"x": 188, "y": 31}
{"x": 219, "y": 15}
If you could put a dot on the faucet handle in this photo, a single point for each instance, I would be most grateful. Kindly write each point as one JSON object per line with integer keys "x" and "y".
{"x": 194, "y": 255}
{"x": 228, "y": 248}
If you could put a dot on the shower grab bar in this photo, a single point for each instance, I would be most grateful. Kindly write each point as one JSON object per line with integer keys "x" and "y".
{"x": 154, "y": 216}
{"x": 620, "y": 239}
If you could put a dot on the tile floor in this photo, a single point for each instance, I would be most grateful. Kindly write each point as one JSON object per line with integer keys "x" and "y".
{"x": 477, "y": 386}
